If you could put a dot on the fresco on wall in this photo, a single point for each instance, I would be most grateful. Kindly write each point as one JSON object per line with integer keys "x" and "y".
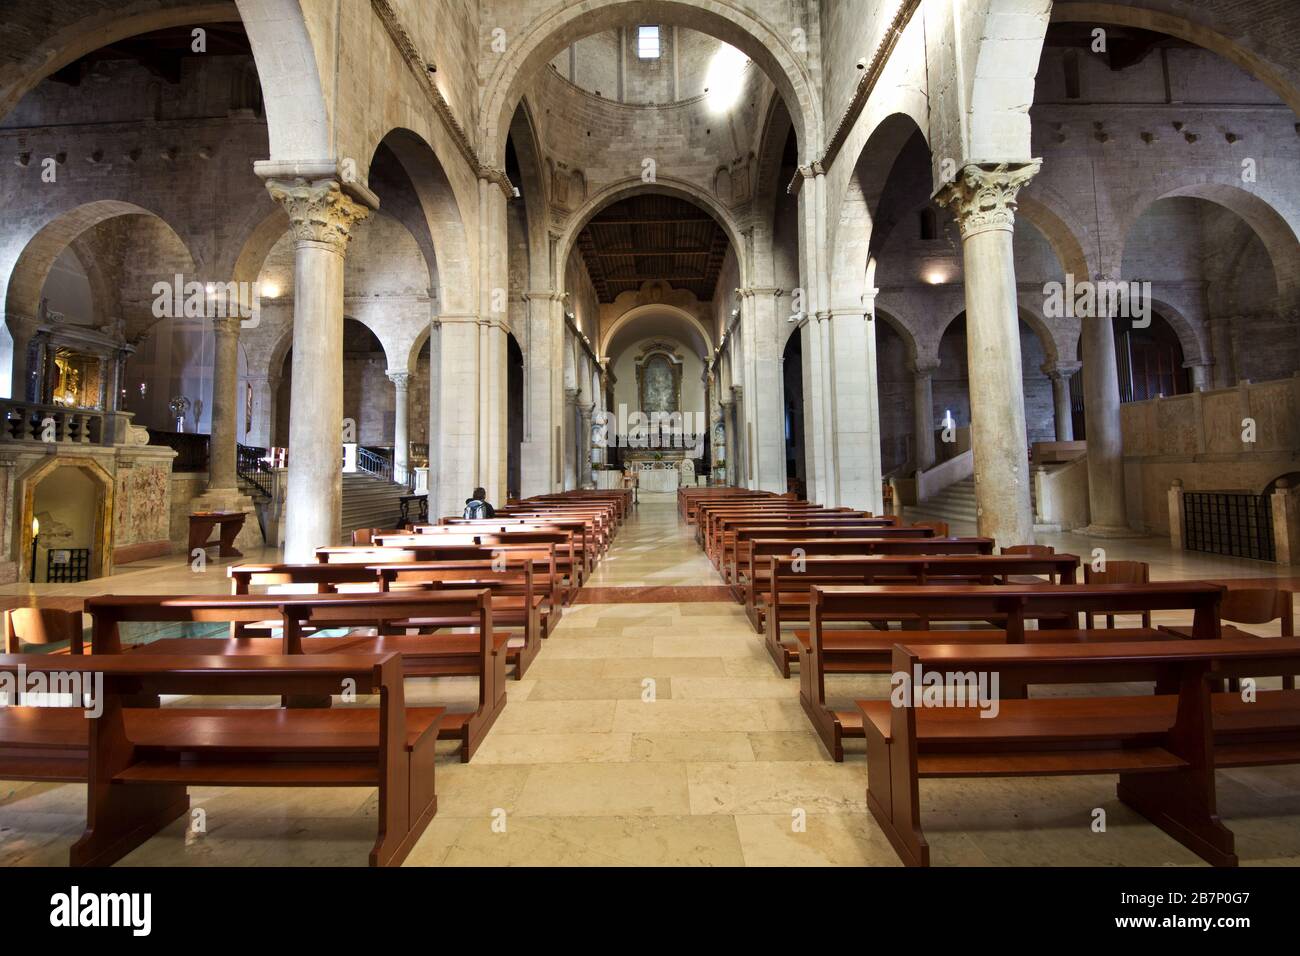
{"x": 659, "y": 386}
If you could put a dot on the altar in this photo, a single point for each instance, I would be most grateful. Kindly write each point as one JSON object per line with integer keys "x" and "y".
{"x": 661, "y": 472}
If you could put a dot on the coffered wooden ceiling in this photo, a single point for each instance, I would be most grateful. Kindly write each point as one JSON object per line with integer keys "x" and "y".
{"x": 653, "y": 237}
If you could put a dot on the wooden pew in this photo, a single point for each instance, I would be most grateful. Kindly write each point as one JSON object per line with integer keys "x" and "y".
{"x": 517, "y": 604}
{"x": 546, "y": 573}
{"x": 724, "y": 525}
{"x": 736, "y": 539}
{"x": 481, "y": 653}
{"x": 707, "y": 515}
{"x": 827, "y": 650}
{"x": 1164, "y": 747}
{"x": 591, "y": 536}
{"x": 568, "y": 562}
{"x": 792, "y": 579}
{"x": 756, "y": 588}
{"x": 138, "y": 763}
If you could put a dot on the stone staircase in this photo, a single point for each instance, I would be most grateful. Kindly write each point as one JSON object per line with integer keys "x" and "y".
{"x": 370, "y": 502}
{"x": 956, "y": 503}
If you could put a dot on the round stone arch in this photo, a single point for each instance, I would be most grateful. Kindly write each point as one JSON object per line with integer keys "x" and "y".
{"x": 910, "y": 343}
{"x": 1273, "y": 76}
{"x": 652, "y": 308}
{"x": 1046, "y": 214}
{"x": 1000, "y": 87}
{"x": 1191, "y": 335}
{"x": 74, "y": 40}
{"x": 859, "y": 201}
{"x": 456, "y": 256}
{"x": 1271, "y": 225}
{"x": 22, "y": 282}
{"x": 634, "y": 186}
{"x": 554, "y": 29}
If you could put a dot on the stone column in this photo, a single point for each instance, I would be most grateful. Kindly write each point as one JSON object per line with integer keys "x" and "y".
{"x": 263, "y": 430}
{"x": 225, "y": 405}
{"x": 1221, "y": 344}
{"x": 983, "y": 198}
{"x": 571, "y": 445}
{"x": 584, "y": 443}
{"x": 1107, "y": 508}
{"x": 1200, "y": 375}
{"x": 25, "y": 375}
{"x": 923, "y": 413}
{"x": 1060, "y": 374}
{"x": 401, "y": 425}
{"x": 544, "y": 392}
{"x": 321, "y": 219}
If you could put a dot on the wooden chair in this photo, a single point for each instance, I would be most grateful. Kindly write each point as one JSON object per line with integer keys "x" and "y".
{"x": 1118, "y": 572}
{"x": 363, "y": 536}
{"x": 1259, "y": 606}
{"x": 1035, "y": 550}
{"x": 40, "y": 627}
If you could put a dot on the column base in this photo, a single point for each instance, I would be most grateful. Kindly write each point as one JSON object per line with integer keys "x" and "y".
{"x": 232, "y": 499}
{"x": 1108, "y": 531}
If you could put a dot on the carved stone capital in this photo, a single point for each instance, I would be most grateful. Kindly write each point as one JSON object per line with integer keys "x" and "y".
{"x": 924, "y": 368}
{"x": 226, "y": 324}
{"x": 400, "y": 380}
{"x": 319, "y": 211}
{"x": 1061, "y": 370}
{"x": 983, "y": 196}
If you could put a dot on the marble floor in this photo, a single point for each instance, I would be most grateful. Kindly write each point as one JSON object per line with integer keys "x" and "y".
{"x": 660, "y": 734}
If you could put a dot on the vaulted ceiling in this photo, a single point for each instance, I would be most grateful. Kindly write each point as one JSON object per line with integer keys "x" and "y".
{"x": 653, "y": 237}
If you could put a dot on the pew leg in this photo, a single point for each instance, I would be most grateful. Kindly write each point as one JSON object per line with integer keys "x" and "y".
{"x": 121, "y": 817}
{"x": 895, "y": 803}
{"x": 775, "y": 647}
{"x": 1179, "y": 804}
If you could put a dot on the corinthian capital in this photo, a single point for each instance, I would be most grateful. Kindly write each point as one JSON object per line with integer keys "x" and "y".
{"x": 318, "y": 210}
{"x": 983, "y": 196}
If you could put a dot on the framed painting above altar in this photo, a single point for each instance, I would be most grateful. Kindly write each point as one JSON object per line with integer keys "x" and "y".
{"x": 659, "y": 379}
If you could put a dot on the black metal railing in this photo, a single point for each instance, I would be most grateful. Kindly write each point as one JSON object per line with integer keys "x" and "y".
{"x": 1236, "y": 524}
{"x": 377, "y": 462}
{"x": 421, "y": 503}
{"x": 252, "y": 467}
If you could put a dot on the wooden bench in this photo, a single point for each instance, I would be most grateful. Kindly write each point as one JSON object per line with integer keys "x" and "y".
{"x": 734, "y": 550}
{"x": 568, "y": 562}
{"x": 139, "y": 762}
{"x": 480, "y": 653}
{"x": 546, "y": 573}
{"x": 718, "y": 523}
{"x": 755, "y": 580}
{"x": 510, "y": 584}
{"x": 828, "y": 650}
{"x": 1164, "y": 747}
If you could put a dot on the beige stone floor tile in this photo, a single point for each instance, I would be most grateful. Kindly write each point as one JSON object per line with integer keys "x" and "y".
{"x": 660, "y": 667}
{"x": 479, "y": 789}
{"x": 686, "y": 716}
{"x": 600, "y": 841}
{"x": 550, "y": 667}
{"x": 635, "y": 789}
{"x": 705, "y": 645}
{"x": 556, "y": 717}
{"x": 603, "y": 649}
{"x": 787, "y": 745}
{"x": 734, "y": 688}
{"x": 502, "y": 748}
{"x": 601, "y": 688}
{"x": 827, "y": 839}
{"x": 691, "y": 747}
{"x": 776, "y": 787}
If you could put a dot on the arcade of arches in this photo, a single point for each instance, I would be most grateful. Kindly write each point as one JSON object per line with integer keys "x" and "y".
{"x": 939, "y": 259}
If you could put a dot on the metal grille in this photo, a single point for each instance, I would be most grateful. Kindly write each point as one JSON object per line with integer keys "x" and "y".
{"x": 67, "y": 565}
{"x": 1231, "y": 523}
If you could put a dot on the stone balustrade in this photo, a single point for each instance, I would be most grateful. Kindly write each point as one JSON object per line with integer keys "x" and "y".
{"x": 34, "y": 422}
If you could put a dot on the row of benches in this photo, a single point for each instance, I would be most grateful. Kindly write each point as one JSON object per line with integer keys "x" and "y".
{"x": 869, "y": 609}
{"x": 454, "y": 600}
